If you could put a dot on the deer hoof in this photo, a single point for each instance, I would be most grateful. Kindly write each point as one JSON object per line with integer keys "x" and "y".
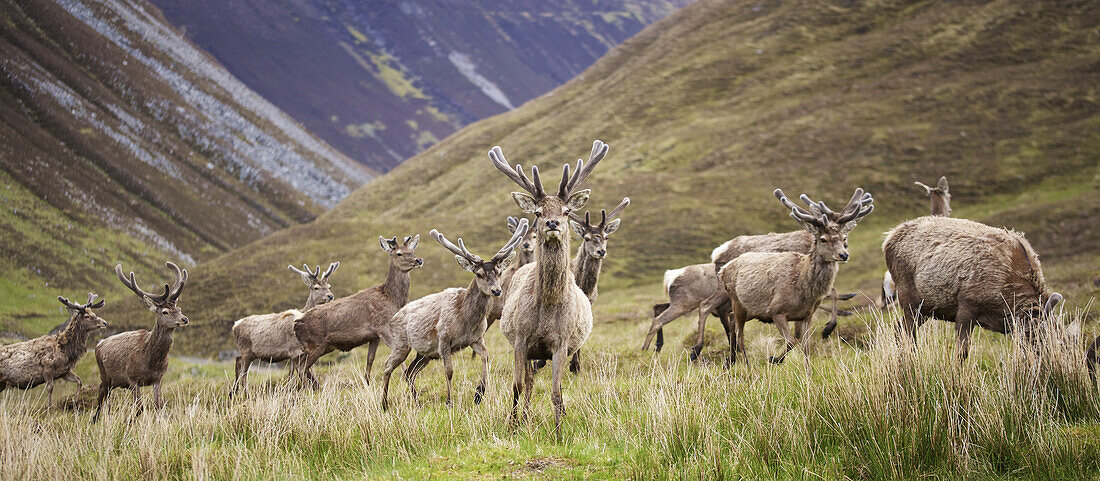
{"x": 479, "y": 393}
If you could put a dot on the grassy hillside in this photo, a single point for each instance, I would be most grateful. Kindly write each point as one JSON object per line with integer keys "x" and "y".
{"x": 709, "y": 110}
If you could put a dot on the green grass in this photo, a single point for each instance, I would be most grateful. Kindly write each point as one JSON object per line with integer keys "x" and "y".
{"x": 847, "y": 413}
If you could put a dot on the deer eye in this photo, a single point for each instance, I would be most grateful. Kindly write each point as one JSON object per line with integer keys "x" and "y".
{"x": 164, "y": 311}
{"x": 399, "y": 254}
{"x": 823, "y": 239}
{"x": 316, "y": 288}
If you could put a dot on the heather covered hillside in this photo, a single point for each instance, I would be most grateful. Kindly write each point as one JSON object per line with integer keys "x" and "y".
{"x": 710, "y": 109}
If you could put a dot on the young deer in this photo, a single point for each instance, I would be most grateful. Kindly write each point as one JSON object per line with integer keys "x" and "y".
{"x": 787, "y": 287}
{"x": 270, "y": 337}
{"x": 358, "y": 319}
{"x": 46, "y": 359}
{"x": 547, "y": 316}
{"x": 139, "y": 358}
{"x": 440, "y": 324}
{"x": 968, "y": 273}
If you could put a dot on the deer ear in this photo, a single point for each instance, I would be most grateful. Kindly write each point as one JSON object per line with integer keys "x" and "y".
{"x": 578, "y": 200}
{"x": 577, "y": 227}
{"x": 385, "y": 244}
{"x": 848, "y": 227}
{"x": 465, "y": 263}
{"x": 507, "y": 261}
{"x": 525, "y": 202}
{"x": 413, "y": 243}
{"x": 943, "y": 184}
{"x": 611, "y": 226}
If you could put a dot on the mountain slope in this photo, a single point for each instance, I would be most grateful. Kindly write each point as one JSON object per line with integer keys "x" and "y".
{"x": 709, "y": 110}
{"x": 382, "y": 80}
{"x": 120, "y": 141}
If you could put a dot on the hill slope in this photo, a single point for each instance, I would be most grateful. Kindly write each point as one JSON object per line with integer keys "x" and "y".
{"x": 710, "y": 109}
{"x": 120, "y": 141}
{"x": 382, "y": 80}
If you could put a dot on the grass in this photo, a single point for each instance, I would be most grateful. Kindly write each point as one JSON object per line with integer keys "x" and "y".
{"x": 847, "y": 413}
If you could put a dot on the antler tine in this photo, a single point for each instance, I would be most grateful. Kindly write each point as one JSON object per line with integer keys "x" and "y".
{"x": 69, "y": 303}
{"x": 855, "y": 203}
{"x": 91, "y": 298}
{"x": 177, "y": 286}
{"x": 927, "y": 189}
{"x": 857, "y": 214}
{"x": 131, "y": 283}
{"x": 469, "y": 254}
{"x": 563, "y": 186}
{"x": 331, "y": 268}
{"x": 619, "y": 208}
{"x": 512, "y": 223}
{"x": 496, "y": 156}
{"x": 458, "y": 251}
{"x": 511, "y": 244}
{"x": 599, "y": 150}
{"x": 797, "y": 212}
{"x": 539, "y": 192}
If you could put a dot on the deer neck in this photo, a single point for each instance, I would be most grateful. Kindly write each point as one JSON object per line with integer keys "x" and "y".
{"x": 553, "y": 268}
{"x": 586, "y": 270}
{"x": 310, "y": 303}
{"x": 940, "y": 206}
{"x": 396, "y": 287}
{"x": 158, "y": 345}
{"x": 524, "y": 258}
{"x": 474, "y": 303}
{"x": 816, "y": 274}
{"x": 73, "y": 340}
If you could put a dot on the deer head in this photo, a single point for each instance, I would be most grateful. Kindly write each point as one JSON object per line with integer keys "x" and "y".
{"x": 551, "y": 210}
{"x": 486, "y": 273}
{"x": 320, "y": 291}
{"x": 402, "y": 255}
{"x": 941, "y": 198}
{"x": 830, "y": 229}
{"x": 168, "y": 312}
{"x": 81, "y": 314}
{"x": 595, "y": 236}
{"x": 527, "y": 244}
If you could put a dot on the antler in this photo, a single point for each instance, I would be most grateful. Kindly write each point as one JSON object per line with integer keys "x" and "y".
{"x": 496, "y": 156}
{"x": 533, "y": 185}
{"x": 459, "y": 250}
{"x": 798, "y": 213}
{"x": 521, "y": 229}
{"x": 606, "y": 216}
{"x": 927, "y": 189}
{"x": 570, "y": 183}
{"x": 331, "y": 269}
{"x": 131, "y": 283}
{"x": 177, "y": 286}
{"x": 857, "y": 208}
{"x": 91, "y": 304}
{"x": 306, "y": 272}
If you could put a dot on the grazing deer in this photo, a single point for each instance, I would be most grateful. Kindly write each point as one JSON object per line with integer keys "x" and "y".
{"x": 358, "y": 319}
{"x": 270, "y": 337}
{"x": 135, "y": 359}
{"x": 787, "y": 287}
{"x": 440, "y": 324}
{"x": 547, "y": 316}
{"x": 968, "y": 273}
{"x": 48, "y": 358}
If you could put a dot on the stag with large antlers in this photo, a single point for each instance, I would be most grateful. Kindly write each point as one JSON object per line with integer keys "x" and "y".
{"x": 45, "y": 359}
{"x": 547, "y": 316}
{"x": 787, "y": 287}
{"x": 270, "y": 337}
{"x": 443, "y": 323}
{"x": 135, "y": 359}
{"x": 968, "y": 273}
{"x": 360, "y": 318}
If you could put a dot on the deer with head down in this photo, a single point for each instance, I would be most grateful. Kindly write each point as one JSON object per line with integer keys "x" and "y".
{"x": 440, "y": 324}
{"x": 968, "y": 273}
{"x": 135, "y": 359}
{"x": 45, "y": 359}
{"x": 360, "y": 318}
{"x": 547, "y": 316}
{"x": 270, "y": 337}
{"x": 787, "y": 287}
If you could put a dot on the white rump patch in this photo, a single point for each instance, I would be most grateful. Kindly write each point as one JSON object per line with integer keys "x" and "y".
{"x": 888, "y": 285}
{"x": 719, "y": 250}
{"x": 466, "y": 66}
{"x": 670, "y": 277}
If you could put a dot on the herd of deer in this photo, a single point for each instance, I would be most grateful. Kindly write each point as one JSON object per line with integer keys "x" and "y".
{"x": 951, "y": 269}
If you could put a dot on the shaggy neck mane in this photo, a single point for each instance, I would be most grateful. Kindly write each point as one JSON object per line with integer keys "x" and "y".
{"x": 474, "y": 303}
{"x": 586, "y": 270}
{"x": 817, "y": 274}
{"x": 160, "y": 342}
{"x": 73, "y": 340}
{"x": 396, "y": 287}
{"x": 553, "y": 267}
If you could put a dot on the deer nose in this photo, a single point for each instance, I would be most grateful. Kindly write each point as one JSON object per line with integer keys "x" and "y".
{"x": 601, "y": 252}
{"x": 843, "y": 256}
{"x": 420, "y": 262}
{"x": 184, "y": 321}
{"x": 330, "y": 297}
{"x": 496, "y": 292}
{"x": 552, "y": 224}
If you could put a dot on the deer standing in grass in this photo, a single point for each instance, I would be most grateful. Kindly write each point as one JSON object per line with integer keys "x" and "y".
{"x": 440, "y": 324}
{"x": 940, "y": 198}
{"x": 48, "y": 358}
{"x": 135, "y": 359}
{"x": 787, "y": 287}
{"x": 547, "y": 316}
{"x": 968, "y": 273}
{"x": 525, "y": 255}
{"x": 358, "y": 319}
{"x": 270, "y": 337}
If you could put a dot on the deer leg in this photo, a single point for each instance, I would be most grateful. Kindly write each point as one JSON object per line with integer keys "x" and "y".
{"x": 520, "y": 371}
{"x": 780, "y": 321}
{"x": 575, "y": 362}
{"x": 448, "y": 372}
{"x": 705, "y": 308}
{"x": 479, "y": 348}
{"x": 305, "y": 369}
{"x": 831, "y": 325}
{"x": 72, "y": 377}
{"x": 134, "y": 388}
{"x": 372, "y": 348}
{"x": 103, "y": 391}
{"x": 672, "y": 313}
{"x": 292, "y": 367}
{"x": 244, "y": 362}
{"x": 397, "y": 356}
{"x": 907, "y": 327}
{"x": 964, "y": 325}
{"x": 418, "y": 363}
{"x": 49, "y": 393}
{"x": 157, "y": 401}
{"x": 529, "y": 380}
{"x": 557, "y": 369}
{"x": 730, "y": 335}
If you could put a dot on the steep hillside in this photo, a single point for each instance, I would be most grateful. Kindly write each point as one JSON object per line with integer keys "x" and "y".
{"x": 709, "y": 110}
{"x": 382, "y": 80}
{"x": 121, "y": 141}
